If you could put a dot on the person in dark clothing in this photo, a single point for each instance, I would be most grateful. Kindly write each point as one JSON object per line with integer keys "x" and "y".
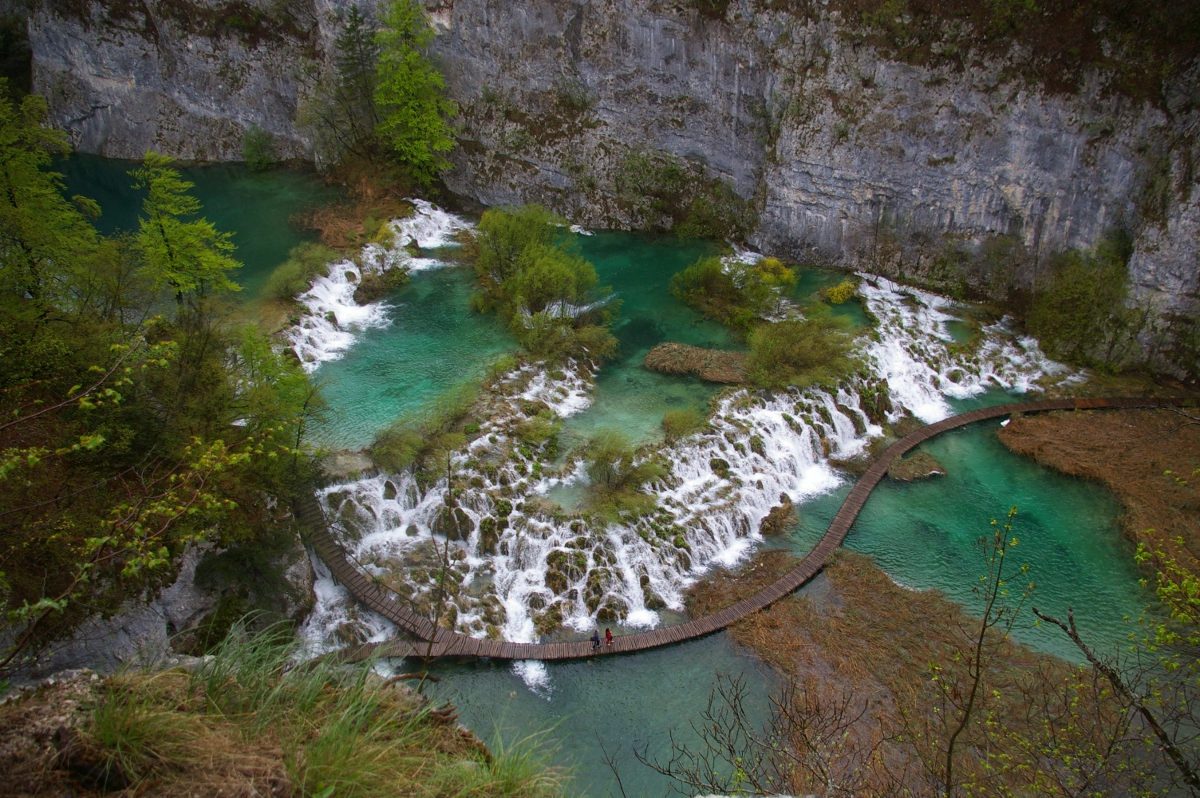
{"x": 608, "y": 637}
{"x": 596, "y": 640}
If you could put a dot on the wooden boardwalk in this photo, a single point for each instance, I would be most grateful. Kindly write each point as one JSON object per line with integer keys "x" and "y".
{"x": 444, "y": 643}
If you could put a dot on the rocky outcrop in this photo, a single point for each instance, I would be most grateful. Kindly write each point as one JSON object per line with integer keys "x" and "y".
{"x": 641, "y": 113}
{"x": 713, "y": 365}
{"x": 184, "y": 77}
{"x": 921, "y": 465}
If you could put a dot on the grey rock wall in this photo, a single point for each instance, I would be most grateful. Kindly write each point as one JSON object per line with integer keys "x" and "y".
{"x": 847, "y": 156}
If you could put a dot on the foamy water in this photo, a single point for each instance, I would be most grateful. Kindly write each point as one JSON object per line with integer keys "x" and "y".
{"x": 333, "y": 321}
{"x": 719, "y": 486}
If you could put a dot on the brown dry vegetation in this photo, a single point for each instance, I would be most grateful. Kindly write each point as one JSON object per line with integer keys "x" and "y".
{"x": 374, "y": 198}
{"x": 856, "y": 652}
{"x": 712, "y": 365}
{"x": 1129, "y": 452}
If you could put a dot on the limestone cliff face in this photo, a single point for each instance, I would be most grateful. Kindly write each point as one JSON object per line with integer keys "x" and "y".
{"x": 184, "y": 77}
{"x": 848, "y": 155}
{"x": 591, "y": 106}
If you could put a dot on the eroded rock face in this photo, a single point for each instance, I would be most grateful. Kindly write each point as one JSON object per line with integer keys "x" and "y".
{"x": 845, "y": 154}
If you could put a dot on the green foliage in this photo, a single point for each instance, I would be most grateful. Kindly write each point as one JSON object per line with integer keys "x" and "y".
{"x": 294, "y": 276}
{"x": 618, "y": 474}
{"x": 678, "y": 424}
{"x": 409, "y": 92}
{"x": 545, "y": 292}
{"x": 811, "y": 351}
{"x": 1079, "y": 312}
{"x": 258, "y": 149}
{"x": 340, "y": 116}
{"x": 735, "y": 293}
{"x": 841, "y": 293}
{"x": 423, "y": 439}
{"x": 44, "y": 239}
{"x": 190, "y": 257}
{"x": 668, "y": 193}
{"x": 125, "y": 436}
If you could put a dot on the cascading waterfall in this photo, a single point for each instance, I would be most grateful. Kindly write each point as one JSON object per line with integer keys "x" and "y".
{"x": 334, "y": 320}
{"x": 520, "y": 566}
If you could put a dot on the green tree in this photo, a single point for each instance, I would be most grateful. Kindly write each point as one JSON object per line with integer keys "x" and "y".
{"x": 409, "y": 92}
{"x": 1079, "y": 312}
{"x": 191, "y": 257}
{"x": 45, "y": 240}
{"x": 340, "y": 117}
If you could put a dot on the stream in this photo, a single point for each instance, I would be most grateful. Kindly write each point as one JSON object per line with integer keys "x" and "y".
{"x": 402, "y": 354}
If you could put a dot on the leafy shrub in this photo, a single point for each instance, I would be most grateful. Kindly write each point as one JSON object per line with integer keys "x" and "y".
{"x": 545, "y": 292}
{"x": 841, "y": 293}
{"x": 811, "y": 351}
{"x": 1079, "y": 312}
{"x": 421, "y": 439}
{"x": 678, "y": 424}
{"x": 735, "y": 293}
{"x": 258, "y": 149}
{"x": 293, "y": 277}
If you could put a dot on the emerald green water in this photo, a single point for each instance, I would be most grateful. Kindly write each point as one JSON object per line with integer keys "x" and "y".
{"x": 923, "y": 533}
{"x": 628, "y": 397}
{"x": 621, "y": 702}
{"x": 433, "y": 344}
{"x": 256, "y": 207}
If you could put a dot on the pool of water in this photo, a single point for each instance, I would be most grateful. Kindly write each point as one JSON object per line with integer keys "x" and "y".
{"x": 628, "y": 397}
{"x": 924, "y": 535}
{"x": 433, "y": 344}
{"x": 256, "y": 207}
{"x": 615, "y": 704}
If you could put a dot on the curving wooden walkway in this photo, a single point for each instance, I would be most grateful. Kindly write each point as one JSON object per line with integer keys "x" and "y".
{"x": 444, "y": 643}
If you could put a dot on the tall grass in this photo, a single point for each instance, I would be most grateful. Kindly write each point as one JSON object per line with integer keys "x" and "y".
{"x": 254, "y": 718}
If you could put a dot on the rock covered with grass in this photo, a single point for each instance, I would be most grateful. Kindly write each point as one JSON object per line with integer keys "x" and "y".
{"x": 248, "y": 722}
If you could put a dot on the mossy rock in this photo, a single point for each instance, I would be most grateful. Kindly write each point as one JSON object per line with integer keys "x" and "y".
{"x": 782, "y": 516}
{"x": 375, "y": 286}
{"x": 720, "y": 467}
{"x": 758, "y": 446}
{"x": 556, "y": 582}
{"x": 548, "y": 621}
{"x": 921, "y": 465}
{"x": 614, "y": 609}
{"x": 652, "y": 600}
{"x": 489, "y": 534}
{"x": 389, "y": 490}
{"x": 572, "y": 563}
{"x": 453, "y": 523}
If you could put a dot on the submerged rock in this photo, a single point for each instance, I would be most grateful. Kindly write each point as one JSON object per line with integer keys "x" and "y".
{"x": 713, "y": 365}
{"x": 920, "y": 466}
{"x": 779, "y": 519}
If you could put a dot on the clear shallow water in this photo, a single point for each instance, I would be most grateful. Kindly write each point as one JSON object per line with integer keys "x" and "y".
{"x": 256, "y": 207}
{"x": 432, "y": 344}
{"x": 627, "y": 396}
{"x": 924, "y": 535}
{"x": 622, "y": 701}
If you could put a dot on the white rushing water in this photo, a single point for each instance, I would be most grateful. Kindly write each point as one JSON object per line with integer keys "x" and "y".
{"x": 333, "y": 320}
{"x": 520, "y": 565}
